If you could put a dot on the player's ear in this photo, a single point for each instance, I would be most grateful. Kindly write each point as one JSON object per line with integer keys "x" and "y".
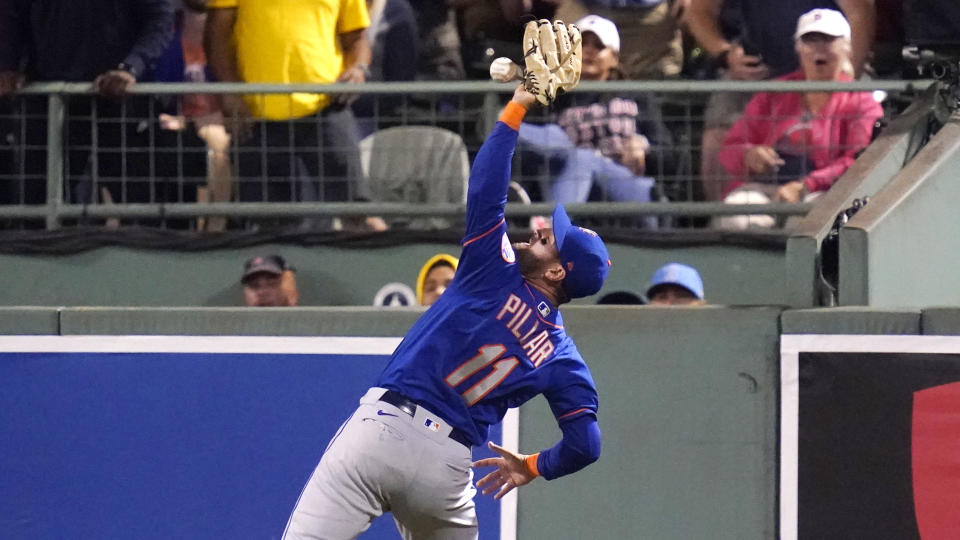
{"x": 555, "y": 273}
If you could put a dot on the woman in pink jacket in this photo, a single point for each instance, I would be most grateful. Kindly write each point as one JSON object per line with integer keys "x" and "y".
{"x": 789, "y": 146}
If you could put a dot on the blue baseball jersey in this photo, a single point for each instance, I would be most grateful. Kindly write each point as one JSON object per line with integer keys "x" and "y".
{"x": 491, "y": 341}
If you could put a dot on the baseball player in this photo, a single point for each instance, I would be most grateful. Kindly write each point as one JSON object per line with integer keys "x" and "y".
{"x": 492, "y": 341}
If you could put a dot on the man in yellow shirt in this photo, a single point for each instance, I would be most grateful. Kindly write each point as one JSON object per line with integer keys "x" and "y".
{"x": 297, "y": 147}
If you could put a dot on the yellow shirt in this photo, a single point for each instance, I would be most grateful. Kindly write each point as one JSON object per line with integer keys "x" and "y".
{"x": 291, "y": 41}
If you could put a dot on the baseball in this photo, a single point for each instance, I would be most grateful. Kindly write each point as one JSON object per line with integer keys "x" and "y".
{"x": 504, "y": 70}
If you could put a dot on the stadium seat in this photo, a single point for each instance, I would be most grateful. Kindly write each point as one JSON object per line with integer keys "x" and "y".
{"x": 416, "y": 164}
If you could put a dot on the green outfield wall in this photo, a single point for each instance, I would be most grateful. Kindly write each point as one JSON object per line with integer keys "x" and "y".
{"x": 339, "y": 276}
{"x": 688, "y": 402}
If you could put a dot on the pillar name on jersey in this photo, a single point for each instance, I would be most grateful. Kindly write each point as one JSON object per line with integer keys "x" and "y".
{"x": 516, "y": 314}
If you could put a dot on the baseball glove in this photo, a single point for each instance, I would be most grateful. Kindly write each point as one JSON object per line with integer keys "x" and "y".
{"x": 553, "y": 54}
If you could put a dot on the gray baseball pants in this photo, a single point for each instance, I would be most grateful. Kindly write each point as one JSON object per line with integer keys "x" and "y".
{"x": 384, "y": 460}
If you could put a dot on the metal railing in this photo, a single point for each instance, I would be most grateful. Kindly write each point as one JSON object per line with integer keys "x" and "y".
{"x": 471, "y": 109}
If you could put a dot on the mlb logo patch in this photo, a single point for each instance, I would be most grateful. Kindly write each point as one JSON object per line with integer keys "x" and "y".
{"x": 506, "y": 250}
{"x": 432, "y": 425}
{"x": 544, "y": 309}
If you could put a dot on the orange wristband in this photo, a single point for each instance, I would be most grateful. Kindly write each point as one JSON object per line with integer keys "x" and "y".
{"x": 531, "y": 463}
{"x": 513, "y": 114}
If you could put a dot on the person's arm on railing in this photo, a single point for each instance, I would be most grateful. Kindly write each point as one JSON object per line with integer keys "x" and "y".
{"x": 155, "y": 18}
{"x": 352, "y": 26}
{"x": 862, "y": 15}
{"x": 356, "y": 56}
{"x": 702, "y": 20}
{"x": 222, "y": 58}
{"x": 356, "y": 61}
{"x": 153, "y": 37}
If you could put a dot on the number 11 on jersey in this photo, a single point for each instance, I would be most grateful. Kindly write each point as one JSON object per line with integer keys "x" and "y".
{"x": 488, "y": 354}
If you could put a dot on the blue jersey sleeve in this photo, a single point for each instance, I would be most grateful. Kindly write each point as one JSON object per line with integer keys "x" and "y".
{"x": 579, "y": 447}
{"x": 571, "y": 392}
{"x": 572, "y": 396}
{"x": 489, "y": 178}
{"x": 487, "y": 258}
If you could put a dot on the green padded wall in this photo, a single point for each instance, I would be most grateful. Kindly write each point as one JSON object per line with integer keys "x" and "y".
{"x": 334, "y": 276}
{"x": 307, "y": 321}
{"x": 941, "y": 321}
{"x": 850, "y": 320}
{"x": 900, "y": 251}
{"x": 688, "y": 408}
{"x": 29, "y": 321}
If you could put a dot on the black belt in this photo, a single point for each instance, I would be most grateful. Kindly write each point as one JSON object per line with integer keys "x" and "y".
{"x": 409, "y": 406}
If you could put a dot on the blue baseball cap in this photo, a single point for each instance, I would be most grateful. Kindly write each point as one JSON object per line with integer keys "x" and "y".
{"x": 677, "y": 274}
{"x": 583, "y": 255}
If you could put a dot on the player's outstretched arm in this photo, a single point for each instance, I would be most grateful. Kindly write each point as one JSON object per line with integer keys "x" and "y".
{"x": 512, "y": 471}
{"x": 579, "y": 447}
{"x": 490, "y": 174}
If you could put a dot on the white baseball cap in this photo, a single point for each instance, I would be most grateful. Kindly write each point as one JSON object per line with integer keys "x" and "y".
{"x": 825, "y": 21}
{"x": 605, "y": 29}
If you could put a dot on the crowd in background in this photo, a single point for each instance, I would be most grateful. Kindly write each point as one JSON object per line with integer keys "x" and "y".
{"x": 270, "y": 281}
{"x": 307, "y": 147}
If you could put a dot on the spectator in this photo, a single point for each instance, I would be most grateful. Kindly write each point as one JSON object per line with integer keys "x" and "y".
{"x": 492, "y": 28}
{"x": 311, "y": 135}
{"x": 439, "y": 41}
{"x": 269, "y": 282}
{"x": 792, "y": 147}
{"x": 395, "y": 50}
{"x": 113, "y": 43}
{"x": 675, "y": 284}
{"x": 434, "y": 277}
{"x": 618, "y": 142}
{"x": 194, "y": 123}
{"x": 651, "y": 44}
{"x": 761, "y": 52}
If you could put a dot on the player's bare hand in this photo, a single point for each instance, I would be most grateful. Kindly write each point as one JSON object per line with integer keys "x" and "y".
{"x": 114, "y": 83}
{"x": 511, "y": 472}
{"x": 761, "y": 159}
{"x": 523, "y": 97}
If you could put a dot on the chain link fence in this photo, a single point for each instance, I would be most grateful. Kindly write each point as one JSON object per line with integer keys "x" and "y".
{"x": 165, "y": 156}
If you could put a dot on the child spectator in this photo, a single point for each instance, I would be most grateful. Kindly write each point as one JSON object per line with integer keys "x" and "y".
{"x": 434, "y": 277}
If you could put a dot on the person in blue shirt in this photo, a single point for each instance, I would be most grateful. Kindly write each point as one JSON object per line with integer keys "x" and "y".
{"x": 492, "y": 341}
